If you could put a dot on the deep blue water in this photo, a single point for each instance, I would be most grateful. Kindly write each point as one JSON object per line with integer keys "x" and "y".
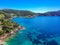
{"x": 39, "y": 31}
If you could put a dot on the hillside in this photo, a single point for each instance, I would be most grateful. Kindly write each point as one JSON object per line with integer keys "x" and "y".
{"x": 11, "y": 12}
{"x": 52, "y": 13}
{"x": 25, "y": 13}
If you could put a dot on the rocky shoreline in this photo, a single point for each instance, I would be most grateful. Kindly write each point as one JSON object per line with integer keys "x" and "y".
{"x": 5, "y": 37}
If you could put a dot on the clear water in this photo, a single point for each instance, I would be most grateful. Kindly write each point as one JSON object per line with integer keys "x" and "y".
{"x": 43, "y": 30}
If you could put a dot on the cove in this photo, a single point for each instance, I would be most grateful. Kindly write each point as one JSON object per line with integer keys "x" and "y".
{"x": 40, "y": 30}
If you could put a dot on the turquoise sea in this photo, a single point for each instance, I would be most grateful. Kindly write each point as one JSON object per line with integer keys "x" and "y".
{"x": 40, "y": 30}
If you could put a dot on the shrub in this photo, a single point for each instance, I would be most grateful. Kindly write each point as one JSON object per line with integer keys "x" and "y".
{"x": 1, "y": 32}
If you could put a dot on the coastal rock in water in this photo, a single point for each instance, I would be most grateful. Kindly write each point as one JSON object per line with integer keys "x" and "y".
{"x": 21, "y": 27}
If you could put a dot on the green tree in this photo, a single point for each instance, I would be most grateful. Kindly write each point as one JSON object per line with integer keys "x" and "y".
{"x": 7, "y": 23}
{"x": 2, "y": 16}
{"x": 1, "y": 32}
{"x": 6, "y": 29}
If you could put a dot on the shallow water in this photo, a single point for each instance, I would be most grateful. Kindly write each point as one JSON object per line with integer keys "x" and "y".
{"x": 42, "y": 30}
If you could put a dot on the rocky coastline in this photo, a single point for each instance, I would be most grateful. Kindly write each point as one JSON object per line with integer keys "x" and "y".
{"x": 5, "y": 37}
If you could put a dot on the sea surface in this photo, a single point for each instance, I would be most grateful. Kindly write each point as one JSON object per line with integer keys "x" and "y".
{"x": 40, "y": 30}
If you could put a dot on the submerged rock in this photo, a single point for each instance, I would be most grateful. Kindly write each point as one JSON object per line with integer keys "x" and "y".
{"x": 29, "y": 36}
{"x": 44, "y": 43}
{"x": 53, "y": 42}
{"x": 36, "y": 41}
{"x": 40, "y": 36}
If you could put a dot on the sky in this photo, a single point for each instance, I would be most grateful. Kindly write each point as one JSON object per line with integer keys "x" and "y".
{"x": 38, "y": 6}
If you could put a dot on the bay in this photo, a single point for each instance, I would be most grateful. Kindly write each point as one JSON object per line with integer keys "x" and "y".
{"x": 39, "y": 30}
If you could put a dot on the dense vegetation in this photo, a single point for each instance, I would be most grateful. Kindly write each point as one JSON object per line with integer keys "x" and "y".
{"x": 6, "y": 25}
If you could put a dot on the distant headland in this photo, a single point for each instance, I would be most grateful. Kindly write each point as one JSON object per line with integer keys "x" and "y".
{"x": 25, "y": 13}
